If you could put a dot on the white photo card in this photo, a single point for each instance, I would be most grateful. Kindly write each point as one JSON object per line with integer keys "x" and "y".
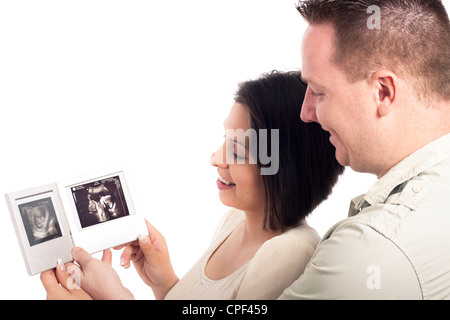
{"x": 94, "y": 212}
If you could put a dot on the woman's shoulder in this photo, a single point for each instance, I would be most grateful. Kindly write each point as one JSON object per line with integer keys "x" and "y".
{"x": 283, "y": 259}
{"x": 298, "y": 238}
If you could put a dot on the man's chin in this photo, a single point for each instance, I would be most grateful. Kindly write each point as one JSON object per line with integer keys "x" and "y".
{"x": 342, "y": 158}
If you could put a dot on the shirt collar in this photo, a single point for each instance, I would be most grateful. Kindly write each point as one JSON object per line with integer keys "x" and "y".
{"x": 427, "y": 156}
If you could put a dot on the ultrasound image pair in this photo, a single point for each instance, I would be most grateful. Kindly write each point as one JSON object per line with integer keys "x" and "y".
{"x": 96, "y": 202}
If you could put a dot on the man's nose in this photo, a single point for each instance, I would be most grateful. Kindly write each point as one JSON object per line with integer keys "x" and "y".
{"x": 308, "y": 112}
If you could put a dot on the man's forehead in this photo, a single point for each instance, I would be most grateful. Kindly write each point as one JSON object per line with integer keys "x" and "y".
{"x": 317, "y": 49}
{"x": 311, "y": 76}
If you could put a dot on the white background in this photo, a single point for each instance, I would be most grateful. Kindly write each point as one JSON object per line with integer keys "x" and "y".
{"x": 86, "y": 85}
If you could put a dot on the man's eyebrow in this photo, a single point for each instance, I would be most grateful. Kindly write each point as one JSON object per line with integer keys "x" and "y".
{"x": 311, "y": 82}
{"x": 307, "y": 80}
{"x": 304, "y": 79}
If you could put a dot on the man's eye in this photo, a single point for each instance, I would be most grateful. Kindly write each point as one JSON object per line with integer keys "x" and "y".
{"x": 316, "y": 94}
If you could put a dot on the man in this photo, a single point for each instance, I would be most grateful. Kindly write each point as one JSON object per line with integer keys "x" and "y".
{"x": 378, "y": 75}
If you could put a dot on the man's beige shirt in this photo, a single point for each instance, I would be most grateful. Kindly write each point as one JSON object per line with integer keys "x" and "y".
{"x": 395, "y": 243}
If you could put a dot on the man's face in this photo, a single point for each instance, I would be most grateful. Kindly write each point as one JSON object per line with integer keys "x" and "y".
{"x": 344, "y": 109}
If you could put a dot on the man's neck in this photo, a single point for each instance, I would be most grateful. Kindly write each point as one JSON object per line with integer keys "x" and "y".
{"x": 429, "y": 126}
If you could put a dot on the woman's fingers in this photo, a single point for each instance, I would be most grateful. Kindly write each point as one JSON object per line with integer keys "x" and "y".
{"x": 68, "y": 275}
{"x": 128, "y": 255}
{"x": 107, "y": 256}
{"x": 50, "y": 283}
{"x": 133, "y": 251}
{"x": 133, "y": 243}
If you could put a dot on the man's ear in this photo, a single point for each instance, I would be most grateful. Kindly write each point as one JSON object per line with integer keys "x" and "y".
{"x": 386, "y": 83}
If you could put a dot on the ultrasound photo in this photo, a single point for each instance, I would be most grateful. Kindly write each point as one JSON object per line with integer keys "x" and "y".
{"x": 100, "y": 201}
{"x": 39, "y": 220}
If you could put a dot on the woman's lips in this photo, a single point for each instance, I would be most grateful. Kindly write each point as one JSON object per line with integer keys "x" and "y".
{"x": 223, "y": 184}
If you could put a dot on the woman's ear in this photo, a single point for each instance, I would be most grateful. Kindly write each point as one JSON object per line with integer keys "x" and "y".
{"x": 385, "y": 82}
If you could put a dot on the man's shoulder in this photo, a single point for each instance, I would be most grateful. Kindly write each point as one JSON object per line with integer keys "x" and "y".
{"x": 408, "y": 232}
{"x": 394, "y": 245}
{"x": 421, "y": 204}
{"x": 355, "y": 261}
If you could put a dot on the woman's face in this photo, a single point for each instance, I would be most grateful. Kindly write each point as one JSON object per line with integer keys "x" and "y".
{"x": 240, "y": 183}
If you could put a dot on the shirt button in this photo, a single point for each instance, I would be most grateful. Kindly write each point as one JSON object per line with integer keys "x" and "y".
{"x": 417, "y": 188}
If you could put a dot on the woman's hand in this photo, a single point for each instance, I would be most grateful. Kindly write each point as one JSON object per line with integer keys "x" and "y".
{"x": 98, "y": 278}
{"x": 60, "y": 285}
{"x": 93, "y": 279}
{"x": 150, "y": 257}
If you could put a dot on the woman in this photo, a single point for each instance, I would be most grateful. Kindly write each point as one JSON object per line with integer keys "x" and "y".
{"x": 264, "y": 243}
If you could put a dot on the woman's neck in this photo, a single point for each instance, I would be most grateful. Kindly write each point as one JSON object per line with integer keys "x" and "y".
{"x": 252, "y": 230}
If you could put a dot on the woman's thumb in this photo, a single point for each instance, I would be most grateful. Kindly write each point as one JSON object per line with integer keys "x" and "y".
{"x": 153, "y": 246}
{"x": 143, "y": 240}
{"x": 146, "y": 246}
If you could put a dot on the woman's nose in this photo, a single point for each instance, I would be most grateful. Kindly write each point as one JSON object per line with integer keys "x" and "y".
{"x": 212, "y": 159}
{"x": 217, "y": 158}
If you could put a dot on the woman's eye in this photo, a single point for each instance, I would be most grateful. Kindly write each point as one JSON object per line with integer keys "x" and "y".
{"x": 236, "y": 156}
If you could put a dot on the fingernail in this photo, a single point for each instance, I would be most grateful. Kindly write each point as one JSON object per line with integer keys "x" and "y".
{"x": 143, "y": 239}
{"x": 60, "y": 264}
{"x": 75, "y": 252}
{"x": 122, "y": 262}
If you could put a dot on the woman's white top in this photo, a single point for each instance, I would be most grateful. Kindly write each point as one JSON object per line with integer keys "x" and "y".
{"x": 276, "y": 265}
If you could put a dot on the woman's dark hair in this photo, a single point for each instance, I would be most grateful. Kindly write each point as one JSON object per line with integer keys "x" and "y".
{"x": 308, "y": 169}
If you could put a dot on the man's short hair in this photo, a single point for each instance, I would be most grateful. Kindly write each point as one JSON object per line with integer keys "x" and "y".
{"x": 413, "y": 40}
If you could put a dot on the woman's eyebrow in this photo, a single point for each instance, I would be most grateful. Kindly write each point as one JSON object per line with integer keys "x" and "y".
{"x": 236, "y": 140}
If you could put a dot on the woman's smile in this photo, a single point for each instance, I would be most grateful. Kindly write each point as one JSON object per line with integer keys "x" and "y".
{"x": 223, "y": 184}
